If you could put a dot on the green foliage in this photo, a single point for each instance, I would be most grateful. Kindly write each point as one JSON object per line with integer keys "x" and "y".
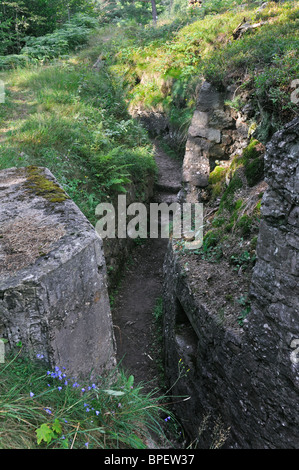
{"x": 13, "y": 61}
{"x": 34, "y": 18}
{"x": 229, "y": 193}
{"x": 243, "y": 260}
{"x": 211, "y": 249}
{"x": 128, "y": 11}
{"x": 236, "y": 103}
{"x": 73, "y": 35}
{"x": 42, "y": 408}
{"x": 80, "y": 129}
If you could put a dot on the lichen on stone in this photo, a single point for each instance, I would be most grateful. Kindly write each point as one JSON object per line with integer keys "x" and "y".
{"x": 40, "y": 185}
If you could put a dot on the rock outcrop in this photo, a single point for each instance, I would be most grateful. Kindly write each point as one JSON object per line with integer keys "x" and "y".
{"x": 243, "y": 385}
{"x": 53, "y": 292}
{"x": 215, "y": 133}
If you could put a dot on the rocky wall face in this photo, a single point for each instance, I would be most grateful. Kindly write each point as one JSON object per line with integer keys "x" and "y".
{"x": 53, "y": 289}
{"x": 246, "y": 384}
{"x": 273, "y": 326}
{"x": 215, "y": 133}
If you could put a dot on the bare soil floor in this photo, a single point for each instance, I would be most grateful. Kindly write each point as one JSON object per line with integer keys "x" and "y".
{"x": 141, "y": 287}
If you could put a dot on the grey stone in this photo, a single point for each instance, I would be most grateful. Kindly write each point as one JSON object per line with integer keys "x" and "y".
{"x": 53, "y": 290}
{"x": 215, "y": 133}
{"x": 249, "y": 379}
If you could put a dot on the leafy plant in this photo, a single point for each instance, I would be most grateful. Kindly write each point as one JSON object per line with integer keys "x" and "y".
{"x": 243, "y": 260}
{"x": 48, "y": 432}
{"x": 46, "y": 408}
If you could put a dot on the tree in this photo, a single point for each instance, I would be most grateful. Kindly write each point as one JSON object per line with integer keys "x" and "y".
{"x": 154, "y": 12}
{"x": 34, "y": 18}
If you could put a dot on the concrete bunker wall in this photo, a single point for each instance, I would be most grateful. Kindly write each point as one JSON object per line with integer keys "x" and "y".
{"x": 53, "y": 287}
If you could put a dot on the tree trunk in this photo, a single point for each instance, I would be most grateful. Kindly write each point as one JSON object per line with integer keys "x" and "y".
{"x": 154, "y": 12}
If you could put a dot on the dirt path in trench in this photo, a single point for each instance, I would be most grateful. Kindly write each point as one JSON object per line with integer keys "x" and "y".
{"x": 141, "y": 287}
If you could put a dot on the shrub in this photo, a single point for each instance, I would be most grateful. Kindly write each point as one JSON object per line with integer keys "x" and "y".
{"x": 13, "y": 61}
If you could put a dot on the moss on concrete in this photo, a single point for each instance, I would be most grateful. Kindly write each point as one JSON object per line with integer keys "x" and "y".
{"x": 40, "y": 185}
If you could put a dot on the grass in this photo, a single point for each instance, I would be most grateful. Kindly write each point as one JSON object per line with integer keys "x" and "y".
{"x": 65, "y": 115}
{"x": 162, "y": 67}
{"x": 42, "y": 408}
{"x": 74, "y": 121}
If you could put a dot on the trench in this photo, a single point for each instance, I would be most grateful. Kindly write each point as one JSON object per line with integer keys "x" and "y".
{"x": 141, "y": 288}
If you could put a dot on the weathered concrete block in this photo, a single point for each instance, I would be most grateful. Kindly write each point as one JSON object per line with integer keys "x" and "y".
{"x": 53, "y": 293}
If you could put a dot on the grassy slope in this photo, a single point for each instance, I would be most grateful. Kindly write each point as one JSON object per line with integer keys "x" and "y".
{"x": 163, "y": 67}
{"x": 74, "y": 120}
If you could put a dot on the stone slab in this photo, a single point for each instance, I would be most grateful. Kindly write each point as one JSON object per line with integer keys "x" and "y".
{"x": 53, "y": 288}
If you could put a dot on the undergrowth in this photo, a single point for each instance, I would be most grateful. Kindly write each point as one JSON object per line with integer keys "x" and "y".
{"x": 163, "y": 67}
{"x": 42, "y": 408}
{"x": 74, "y": 121}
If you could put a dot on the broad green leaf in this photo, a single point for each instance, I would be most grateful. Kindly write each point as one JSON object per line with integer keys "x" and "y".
{"x": 57, "y": 426}
{"x": 44, "y": 433}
